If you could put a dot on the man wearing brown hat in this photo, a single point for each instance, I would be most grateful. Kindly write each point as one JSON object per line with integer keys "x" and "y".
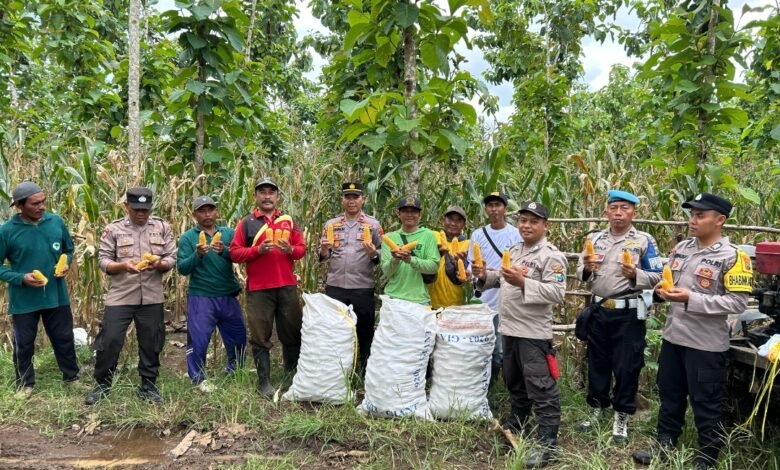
{"x": 352, "y": 261}
{"x": 269, "y": 243}
{"x": 135, "y": 251}
{"x": 449, "y": 288}
{"x": 34, "y": 239}
{"x": 712, "y": 279}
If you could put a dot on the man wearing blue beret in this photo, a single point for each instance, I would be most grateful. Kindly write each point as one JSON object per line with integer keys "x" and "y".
{"x": 616, "y": 331}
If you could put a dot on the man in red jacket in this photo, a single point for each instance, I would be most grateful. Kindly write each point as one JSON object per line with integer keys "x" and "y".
{"x": 271, "y": 282}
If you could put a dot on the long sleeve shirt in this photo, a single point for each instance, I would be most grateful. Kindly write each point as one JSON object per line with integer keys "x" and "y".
{"x": 526, "y": 312}
{"x": 404, "y": 280}
{"x": 720, "y": 279}
{"x": 31, "y": 246}
{"x": 274, "y": 268}
{"x": 211, "y": 275}
{"x": 349, "y": 266}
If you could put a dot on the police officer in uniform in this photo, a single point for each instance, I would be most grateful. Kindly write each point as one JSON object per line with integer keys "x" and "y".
{"x": 616, "y": 332}
{"x": 712, "y": 279}
{"x": 534, "y": 283}
{"x": 135, "y": 293}
{"x": 352, "y": 262}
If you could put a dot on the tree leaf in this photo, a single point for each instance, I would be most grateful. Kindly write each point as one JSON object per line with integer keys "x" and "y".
{"x": 467, "y": 111}
{"x": 406, "y": 14}
{"x": 195, "y": 41}
{"x": 196, "y": 87}
{"x": 455, "y": 140}
{"x": 374, "y": 141}
{"x": 216, "y": 155}
{"x": 775, "y": 133}
{"x": 406, "y": 125}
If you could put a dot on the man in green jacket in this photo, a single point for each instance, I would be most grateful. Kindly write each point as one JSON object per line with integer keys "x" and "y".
{"x": 407, "y": 270}
{"x": 212, "y": 293}
{"x": 34, "y": 239}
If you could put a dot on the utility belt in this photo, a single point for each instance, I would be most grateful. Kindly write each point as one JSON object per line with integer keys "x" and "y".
{"x": 616, "y": 304}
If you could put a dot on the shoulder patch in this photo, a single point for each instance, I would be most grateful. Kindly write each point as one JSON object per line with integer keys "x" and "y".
{"x": 740, "y": 277}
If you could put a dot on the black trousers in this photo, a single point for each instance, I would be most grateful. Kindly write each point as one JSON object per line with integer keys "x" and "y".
{"x": 150, "y": 332}
{"x": 363, "y": 304}
{"x": 528, "y": 379}
{"x": 616, "y": 348}
{"x": 687, "y": 373}
{"x": 58, "y": 324}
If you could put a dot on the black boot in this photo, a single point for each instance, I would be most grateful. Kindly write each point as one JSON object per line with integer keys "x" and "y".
{"x": 518, "y": 422}
{"x": 290, "y": 355}
{"x": 706, "y": 458}
{"x": 148, "y": 391}
{"x": 660, "y": 450}
{"x": 544, "y": 451}
{"x": 263, "y": 364}
{"x": 97, "y": 394}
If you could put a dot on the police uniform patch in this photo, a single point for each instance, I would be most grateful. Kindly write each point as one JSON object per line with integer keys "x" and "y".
{"x": 557, "y": 268}
{"x": 559, "y": 277}
{"x": 631, "y": 244}
{"x": 675, "y": 265}
{"x": 740, "y": 277}
{"x": 705, "y": 271}
{"x": 705, "y": 283}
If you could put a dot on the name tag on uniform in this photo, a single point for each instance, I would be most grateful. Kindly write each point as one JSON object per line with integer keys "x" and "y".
{"x": 156, "y": 240}
{"x": 705, "y": 271}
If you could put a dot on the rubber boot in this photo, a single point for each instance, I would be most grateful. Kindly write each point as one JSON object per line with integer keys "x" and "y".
{"x": 518, "y": 422}
{"x": 290, "y": 355}
{"x": 706, "y": 458}
{"x": 544, "y": 451}
{"x": 660, "y": 450}
{"x": 263, "y": 365}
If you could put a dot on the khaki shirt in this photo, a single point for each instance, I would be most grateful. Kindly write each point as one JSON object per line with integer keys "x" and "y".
{"x": 123, "y": 240}
{"x": 608, "y": 280}
{"x": 350, "y": 267}
{"x": 719, "y": 279}
{"x": 526, "y": 312}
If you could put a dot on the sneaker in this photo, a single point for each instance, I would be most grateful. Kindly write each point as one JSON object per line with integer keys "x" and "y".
{"x": 620, "y": 428}
{"x": 24, "y": 393}
{"x": 205, "y": 387}
{"x": 97, "y": 394}
{"x": 594, "y": 415}
{"x": 149, "y": 392}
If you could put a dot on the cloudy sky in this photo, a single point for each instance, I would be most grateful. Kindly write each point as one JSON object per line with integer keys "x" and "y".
{"x": 597, "y": 58}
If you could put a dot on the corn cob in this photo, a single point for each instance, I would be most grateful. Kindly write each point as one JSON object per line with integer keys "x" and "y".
{"x": 269, "y": 234}
{"x": 39, "y": 276}
{"x": 477, "y": 254}
{"x": 590, "y": 250}
{"x": 454, "y": 245}
{"x": 366, "y": 234}
{"x": 390, "y": 243}
{"x": 330, "y": 236}
{"x": 667, "y": 282}
{"x": 286, "y": 235}
{"x": 627, "y": 258}
{"x": 461, "y": 270}
{"x": 217, "y": 237}
{"x": 505, "y": 262}
{"x": 61, "y": 265}
{"x": 202, "y": 238}
{"x": 441, "y": 238}
{"x": 409, "y": 246}
{"x": 277, "y": 236}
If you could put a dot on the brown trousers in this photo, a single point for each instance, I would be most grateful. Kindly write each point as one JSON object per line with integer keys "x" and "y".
{"x": 263, "y": 306}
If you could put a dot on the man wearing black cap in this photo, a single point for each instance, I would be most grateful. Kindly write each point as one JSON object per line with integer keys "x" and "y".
{"x": 616, "y": 330}
{"x": 712, "y": 279}
{"x": 34, "y": 239}
{"x": 269, "y": 243}
{"x": 448, "y": 289}
{"x": 212, "y": 293}
{"x": 405, "y": 269}
{"x": 493, "y": 239}
{"x": 135, "y": 251}
{"x": 352, "y": 261}
{"x": 530, "y": 287}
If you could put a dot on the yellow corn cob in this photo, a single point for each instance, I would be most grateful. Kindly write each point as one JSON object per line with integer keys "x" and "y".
{"x": 461, "y": 270}
{"x": 277, "y": 235}
{"x": 62, "y": 263}
{"x": 505, "y": 262}
{"x": 441, "y": 238}
{"x": 366, "y": 234}
{"x": 286, "y": 235}
{"x": 143, "y": 264}
{"x": 217, "y": 237}
{"x": 463, "y": 246}
{"x": 590, "y": 250}
{"x": 409, "y": 246}
{"x": 390, "y": 243}
{"x": 150, "y": 257}
{"x": 269, "y": 234}
{"x": 667, "y": 282}
{"x": 202, "y": 238}
{"x": 330, "y": 236}
{"x": 39, "y": 276}
{"x": 627, "y": 258}
{"x": 477, "y": 254}
{"x": 454, "y": 245}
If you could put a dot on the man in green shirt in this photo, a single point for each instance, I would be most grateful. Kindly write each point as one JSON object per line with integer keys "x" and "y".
{"x": 406, "y": 269}
{"x": 34, "y": 239}
{"x": 212, "y": 294}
